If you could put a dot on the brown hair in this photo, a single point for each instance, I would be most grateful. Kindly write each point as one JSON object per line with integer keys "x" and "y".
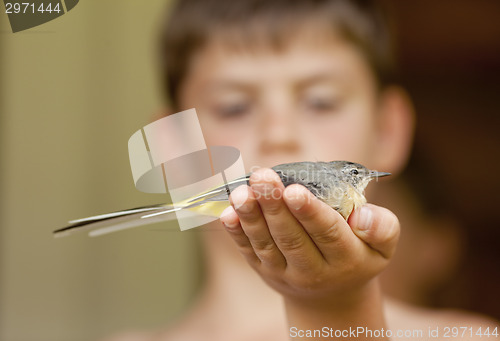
{"x": 192, "y": 23}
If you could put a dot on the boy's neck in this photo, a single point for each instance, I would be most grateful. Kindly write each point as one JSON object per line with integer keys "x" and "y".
{"x": 233, "y": 293}
{"x": 229, "y": 275}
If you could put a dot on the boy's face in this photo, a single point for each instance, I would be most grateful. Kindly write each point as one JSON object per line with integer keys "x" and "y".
{"x": 308, "y": 102}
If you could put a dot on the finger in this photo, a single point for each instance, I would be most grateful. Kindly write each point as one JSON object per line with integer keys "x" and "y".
{"x": 255, "y": 227}
{"x": 289, "y": 236}
{"x": 231, "y": 222}
{"x": 376, "y": 226}
{"x": 326, "y": 227}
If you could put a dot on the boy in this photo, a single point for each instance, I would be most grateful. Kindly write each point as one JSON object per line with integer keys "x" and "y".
{"x": 285, "y": 81}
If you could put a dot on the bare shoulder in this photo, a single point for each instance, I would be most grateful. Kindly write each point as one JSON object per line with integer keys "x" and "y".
{"x": 135, "y": 336}
{"x": 171, "y": 332}
{"x": 439, "y": 323}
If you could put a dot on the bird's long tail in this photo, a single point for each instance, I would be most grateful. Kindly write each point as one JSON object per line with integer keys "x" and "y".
{"x": 210, "y": 203}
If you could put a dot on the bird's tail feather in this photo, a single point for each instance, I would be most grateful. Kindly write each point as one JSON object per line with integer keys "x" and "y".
{"x": 115, "y": 221}
{"x": 210, "y": 203}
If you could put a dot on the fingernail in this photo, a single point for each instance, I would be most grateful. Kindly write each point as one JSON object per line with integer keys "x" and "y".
{"x": 295, "y": 198}
{"x": 239, "y": 197}
{"x": 228, "y": 217}
{"x": 365, "y": 218}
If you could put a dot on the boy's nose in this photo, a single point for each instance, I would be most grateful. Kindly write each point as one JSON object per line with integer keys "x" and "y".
{"x": 279, "y": 131}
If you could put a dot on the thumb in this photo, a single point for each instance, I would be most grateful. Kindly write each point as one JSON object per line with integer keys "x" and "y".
{"x": 376, "y": 226}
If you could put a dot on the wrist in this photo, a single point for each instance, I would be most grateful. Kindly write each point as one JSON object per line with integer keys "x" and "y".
{"x": 360, "y": 307}
{"x": 345, "y": 299}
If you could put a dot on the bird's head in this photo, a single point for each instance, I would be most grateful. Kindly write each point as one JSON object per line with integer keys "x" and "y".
{"x": 358, "y": 175}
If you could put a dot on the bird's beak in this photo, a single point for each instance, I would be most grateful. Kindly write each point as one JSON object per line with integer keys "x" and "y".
{"x": 375, "y": 174}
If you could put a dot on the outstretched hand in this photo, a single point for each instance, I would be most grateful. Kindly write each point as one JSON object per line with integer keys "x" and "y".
{"x": 303, "y": 248}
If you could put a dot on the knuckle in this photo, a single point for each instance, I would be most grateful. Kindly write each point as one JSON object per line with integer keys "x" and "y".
{"x": 269, "y": 258}
{"x": 272, "y": 208}
{"x": 264, "y": 245}
{"x": 326, "y": 236}
{"x": 246, "y": 250}
{"x": 235, "y": 233}
{"x": 251, "y": 217}
{"x": 291, "y": 242}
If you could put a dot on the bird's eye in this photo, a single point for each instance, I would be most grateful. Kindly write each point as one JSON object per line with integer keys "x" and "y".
{"x": 354, "y": 172}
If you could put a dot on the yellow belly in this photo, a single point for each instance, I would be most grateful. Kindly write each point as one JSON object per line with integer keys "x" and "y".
{"x": 351, "y": 200}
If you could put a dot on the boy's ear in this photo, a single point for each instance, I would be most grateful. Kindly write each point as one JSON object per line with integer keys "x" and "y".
{"x": 395, "y": 129}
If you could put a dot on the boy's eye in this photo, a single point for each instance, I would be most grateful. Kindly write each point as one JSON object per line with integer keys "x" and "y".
{"x": 233, "y": 110}
{"x": 321, "y": 105}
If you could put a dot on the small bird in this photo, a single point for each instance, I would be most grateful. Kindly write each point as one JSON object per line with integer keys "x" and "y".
{"x": 340, "y": 184}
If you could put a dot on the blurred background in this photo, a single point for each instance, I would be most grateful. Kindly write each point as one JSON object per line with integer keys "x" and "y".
{"x": 72, "y": 91}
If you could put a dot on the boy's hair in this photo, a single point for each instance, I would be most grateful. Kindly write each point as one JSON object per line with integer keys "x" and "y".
{"x": 194, "y": 23}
